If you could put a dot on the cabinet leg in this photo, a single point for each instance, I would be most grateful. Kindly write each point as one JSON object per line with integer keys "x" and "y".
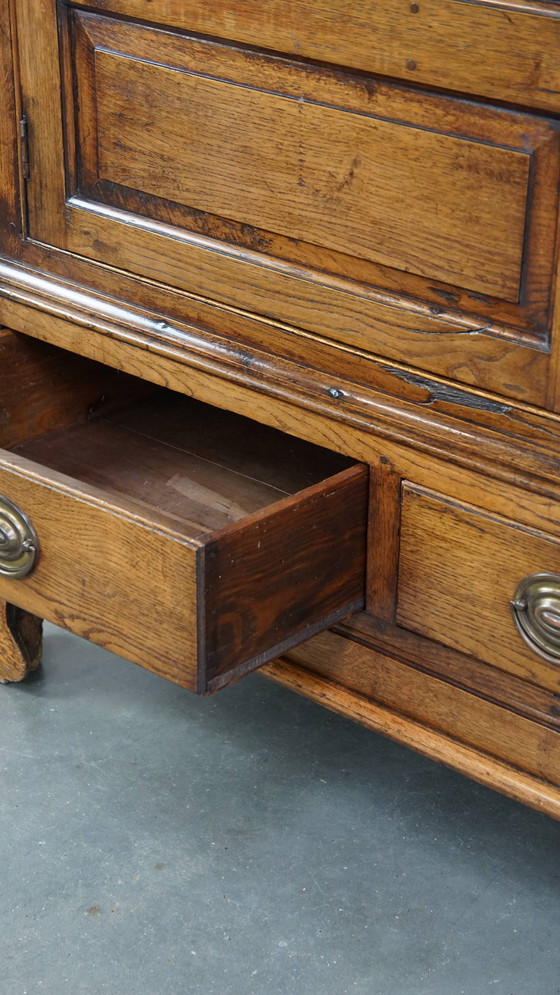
{"x": 21, "y": 642}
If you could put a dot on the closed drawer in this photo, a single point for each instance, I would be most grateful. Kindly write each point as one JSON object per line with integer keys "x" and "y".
{"x": 190, "y": 540}
{"x": 460, "y": 568}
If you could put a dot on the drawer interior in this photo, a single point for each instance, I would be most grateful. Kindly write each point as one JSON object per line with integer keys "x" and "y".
{"x": 203, "y": 467}
{"x": 199, "y": 466}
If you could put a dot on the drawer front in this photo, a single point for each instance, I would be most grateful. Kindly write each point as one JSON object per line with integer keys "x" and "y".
{"x": 407, "y": 224}
{"x": 460, "y": 569}
{"x": 106, "y": 575}
{"x": 190, "y": 540}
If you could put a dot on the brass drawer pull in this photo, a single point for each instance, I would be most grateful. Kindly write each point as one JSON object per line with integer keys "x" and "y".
{"x": 536, "y": 611}
{"x": 19, "y": 545}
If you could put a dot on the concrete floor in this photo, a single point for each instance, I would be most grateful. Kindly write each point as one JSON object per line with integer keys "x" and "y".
{"x": 158, "y": 844}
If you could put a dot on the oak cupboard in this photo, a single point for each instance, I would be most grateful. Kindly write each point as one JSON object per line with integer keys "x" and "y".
{"x": 280, "y": 375}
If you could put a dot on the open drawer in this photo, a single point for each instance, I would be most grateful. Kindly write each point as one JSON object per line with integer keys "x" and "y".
{"x": 188, "y": 539}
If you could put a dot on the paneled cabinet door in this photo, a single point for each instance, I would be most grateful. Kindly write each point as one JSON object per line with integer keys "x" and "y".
{"x": 402, "y": 221}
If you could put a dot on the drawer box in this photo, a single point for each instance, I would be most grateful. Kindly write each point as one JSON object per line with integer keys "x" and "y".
{"x": 459, "y": 570}
{"x": 190, "y": 540}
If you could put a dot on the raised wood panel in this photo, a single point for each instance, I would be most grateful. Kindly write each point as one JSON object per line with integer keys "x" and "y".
{"x": 507, "y": 50}
{"x": 329, "y": 171}
{"x": 459, "y": 568}
{"x": 395, "y": 280}
{"x": 436, "y": 205}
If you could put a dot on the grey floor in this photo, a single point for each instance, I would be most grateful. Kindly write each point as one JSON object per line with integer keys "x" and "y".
{"x": 154, "y": 844}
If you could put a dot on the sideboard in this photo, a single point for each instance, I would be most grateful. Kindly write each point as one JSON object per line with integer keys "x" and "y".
{"x": 280, "y": 356}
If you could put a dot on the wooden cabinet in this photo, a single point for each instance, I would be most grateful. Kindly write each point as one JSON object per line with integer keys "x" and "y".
{"x": 339, "y": 221}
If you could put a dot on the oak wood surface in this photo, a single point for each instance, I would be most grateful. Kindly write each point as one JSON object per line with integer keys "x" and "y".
{"x": 402, "y": 110}
{"x": 383, "y": 540}
{"x": 183, "y": 459}
{"x": 307, "y": 563}
{"x": 406, "y": 414}
{"x": 455, "y": 347}
{"x": 540, "y": 793}
{"x": 489, "y": 48}
{"x": 43, "y": 388}
{"x": 37, "y": 39}
{"x": 10, "y": 175}
{"x": 433, "y": 204}
{"x": 425, "y": 698}
{"x": 497, "y": 344}
{"x": 21, "y": 643}
{"x": 104, "y": 572}
{"x": 458, "y": 571}
{"x": 458, "y": 670}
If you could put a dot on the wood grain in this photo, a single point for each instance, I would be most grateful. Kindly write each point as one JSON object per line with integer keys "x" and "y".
{"x": 21, "y": 643}
{"x": 10, "y": 201}
{"x": 488, "y": 48}
{"x": 402, "y": 414}
{"x": 307, "y": 564}
{"x": 182, "y": 459}
{"x": 391, "y": 311}
{"x": 383, "y": 540}
{"x": 43, "y": 388}
{"x": 540, "y": 793}
{"x": 455, "y": 712}
{"x": 429, "y": 353}
{"x": 439, "y": 206}
{"x": 286, "y": 295}
{"x": 151, "y": 512}
{"x": 491, "y": 683}
{"x": 458, "y": 571}
{"x": 390, "y": 103}
{"x": 104, "y": 572}
{"x": 37, "y": 24}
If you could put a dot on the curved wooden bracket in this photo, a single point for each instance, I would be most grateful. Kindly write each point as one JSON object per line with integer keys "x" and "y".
{"x": 21, "y": 642}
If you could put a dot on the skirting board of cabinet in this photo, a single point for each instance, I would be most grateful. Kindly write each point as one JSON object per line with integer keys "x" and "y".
{"x": 479, "y": 766}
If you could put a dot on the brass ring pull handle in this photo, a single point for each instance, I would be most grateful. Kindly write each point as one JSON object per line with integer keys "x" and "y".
{"x": 536, "y": 611}
{"x": 19, "y": 546}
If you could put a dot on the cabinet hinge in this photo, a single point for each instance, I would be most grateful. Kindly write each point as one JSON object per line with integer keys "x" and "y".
{"x": 24, "y": 146}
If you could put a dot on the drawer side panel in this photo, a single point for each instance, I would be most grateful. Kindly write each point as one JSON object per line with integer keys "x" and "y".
{"x": 284, "y": 576}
